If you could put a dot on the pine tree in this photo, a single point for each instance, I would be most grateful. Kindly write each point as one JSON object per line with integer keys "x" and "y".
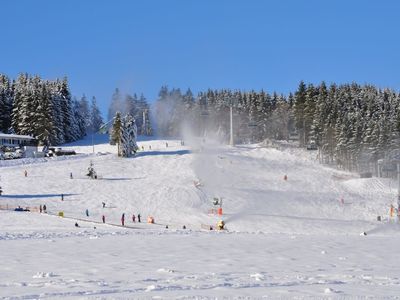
{"x": 128, "y": 136}
{"x": 299, "y": 106}
{"x": 320, "y": 115}
{"x": 66, "y": 111}
{"x": 95, "y": 115}
{"x": 115, "y": 137}
{"x": 85, "y": 113}
{"x": 58, "y": 136}
{"x": 309, "y": 110}
{"x": 23, "y": 104}
{"x": 43, "y": 123}
{"x": 6, "y": 99}
{"x": 79, "y": 120}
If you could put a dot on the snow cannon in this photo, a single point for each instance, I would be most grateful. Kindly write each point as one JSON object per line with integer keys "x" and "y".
{"x": 220, "y": 224}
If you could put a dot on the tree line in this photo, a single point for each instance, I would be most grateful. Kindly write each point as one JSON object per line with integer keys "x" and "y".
{"x": 256, "y": 115}
{"x": 353, "y": 125}
{"x": 30, "y": 105}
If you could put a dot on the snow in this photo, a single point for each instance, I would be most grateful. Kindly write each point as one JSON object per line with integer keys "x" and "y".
{"x": 285, "y": 239}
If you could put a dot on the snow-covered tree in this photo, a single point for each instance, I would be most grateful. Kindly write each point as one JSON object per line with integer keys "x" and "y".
{"x": 66, "y": 111}
{"x": 95, "y": 115}
{"x": 299, "y": 106}
{"x": 128, "y": 137}
{"x": 6, "y": 101}
{"x": 85, "y": 113}
{"x": 78, "y": 121}
{"x": 43, "y": 124}
{"x": 115, "y": 137}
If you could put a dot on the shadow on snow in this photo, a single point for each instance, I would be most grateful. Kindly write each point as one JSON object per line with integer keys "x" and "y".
{"x": 153, "y": 153}
{"x": 116, "y": 178}
{"x": 35, "y": 196}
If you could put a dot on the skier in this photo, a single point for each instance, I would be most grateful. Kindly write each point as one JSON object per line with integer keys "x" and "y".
{"x": 285, "y": 177}
{"x": 184, "y": 227}
{"x": 70, "y": 175}
{"x": 104, "y": 204}
{"x": 103, "y": 218}
{"x": 166, "y": 145}
{"x": 142, "y": 148}
{"x": 26, "y": 173}
{"x": 87, "y": 212}
{"x": 62, "y": 197}
{"x": 76, "y": 224}
{"x": 123, "y": 219}
{"x": 138, "y": 218}
{"x": 133, "y": 218}
{"x": 149, "y": 147}
{"x": 44, "y": 208}
{"x": 40, "y": 208}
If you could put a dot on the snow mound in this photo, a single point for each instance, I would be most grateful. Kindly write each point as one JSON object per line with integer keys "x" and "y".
{"x": 257, "y": 276}
{"x": 330, "y": 291}
{"x": 151, "y": 288}
{"x": 162, "y": 270}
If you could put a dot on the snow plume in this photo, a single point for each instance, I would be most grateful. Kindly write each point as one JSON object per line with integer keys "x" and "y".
{"x": 215, "y": 173}
{"x": 163, "y": 114}
{"x": 170, "y": 113}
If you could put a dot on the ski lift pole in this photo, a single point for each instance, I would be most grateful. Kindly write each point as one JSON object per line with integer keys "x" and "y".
{"x": 398, "y": 188}
{"x": 231, "y": 126}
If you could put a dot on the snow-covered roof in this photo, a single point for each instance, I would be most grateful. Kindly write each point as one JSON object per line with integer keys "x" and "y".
{"x": 15, "y": 136}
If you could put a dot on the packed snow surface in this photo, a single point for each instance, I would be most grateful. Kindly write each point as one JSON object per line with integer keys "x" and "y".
{"x": 295, "y": 238}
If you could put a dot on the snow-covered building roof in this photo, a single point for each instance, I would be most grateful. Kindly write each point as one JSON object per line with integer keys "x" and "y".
{"x": 15, "y": 136}
{"x": 15, "y": 140}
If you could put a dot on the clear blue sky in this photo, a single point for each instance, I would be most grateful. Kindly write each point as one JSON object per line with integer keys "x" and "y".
{"x": 140, "y": 45}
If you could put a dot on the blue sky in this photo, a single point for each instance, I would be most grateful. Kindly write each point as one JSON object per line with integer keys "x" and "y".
{"x": 139, "y": 46}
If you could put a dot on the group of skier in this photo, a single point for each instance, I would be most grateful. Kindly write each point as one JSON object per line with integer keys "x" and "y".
{"x": 103, "y": 218}
{"x": 133, "y": 219}
{"x": 42, "y": 208}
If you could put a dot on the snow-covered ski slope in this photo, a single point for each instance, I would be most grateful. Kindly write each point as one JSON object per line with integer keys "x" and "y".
{"x": 298, "y": 237}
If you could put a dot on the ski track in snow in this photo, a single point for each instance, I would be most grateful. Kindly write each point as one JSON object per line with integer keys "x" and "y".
{"x": 285, "y": 239}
